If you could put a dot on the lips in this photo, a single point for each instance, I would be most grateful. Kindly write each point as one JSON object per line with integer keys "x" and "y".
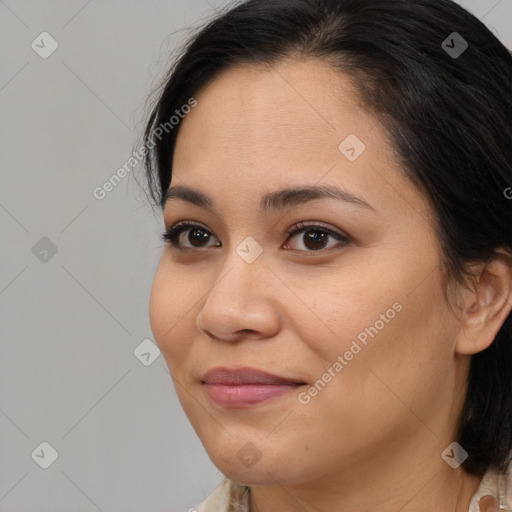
{"x": 245, "y": 387}
{"x": 240, "y": 376}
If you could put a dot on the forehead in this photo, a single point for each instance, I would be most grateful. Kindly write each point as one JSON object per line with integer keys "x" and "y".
{"x": 256, "y": 128}
{"x": 290, "y": 103}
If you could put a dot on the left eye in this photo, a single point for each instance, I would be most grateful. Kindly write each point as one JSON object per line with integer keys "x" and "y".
{"x": 315, "y": 236}
{"x": 314, "y": 239}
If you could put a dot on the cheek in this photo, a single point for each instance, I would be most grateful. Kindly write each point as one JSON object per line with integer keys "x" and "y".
{"x": 403, "y": 364}
{"x": 350, "y": 306}
{"x": 169, "y": 306}
{"x": 384, "y": 320}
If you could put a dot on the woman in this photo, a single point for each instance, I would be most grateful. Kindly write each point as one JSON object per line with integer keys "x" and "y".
{"x": 334, "y": 297}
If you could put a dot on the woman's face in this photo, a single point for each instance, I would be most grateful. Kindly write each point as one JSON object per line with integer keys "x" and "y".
{"x": 352, "y": 306}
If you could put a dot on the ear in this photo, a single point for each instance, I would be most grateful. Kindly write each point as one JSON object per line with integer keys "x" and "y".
{"x": 487, "y": 306}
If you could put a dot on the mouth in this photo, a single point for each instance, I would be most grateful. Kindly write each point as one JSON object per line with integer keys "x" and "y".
{"x": 246, "y": 387}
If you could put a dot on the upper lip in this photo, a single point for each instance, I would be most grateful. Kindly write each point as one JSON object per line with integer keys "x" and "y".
{"x": 244, "y": 375}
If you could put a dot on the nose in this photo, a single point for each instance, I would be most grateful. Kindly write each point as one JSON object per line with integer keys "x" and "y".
{"x": 241, "y": 303}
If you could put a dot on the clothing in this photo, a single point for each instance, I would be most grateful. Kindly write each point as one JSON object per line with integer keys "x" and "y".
{"x": 231, "y": 497}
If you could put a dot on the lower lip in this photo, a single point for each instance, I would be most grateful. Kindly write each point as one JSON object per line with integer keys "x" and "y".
{"x": 246, "y": 395}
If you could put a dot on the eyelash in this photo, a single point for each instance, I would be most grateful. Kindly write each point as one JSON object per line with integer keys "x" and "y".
{"x": 170, "y": 234}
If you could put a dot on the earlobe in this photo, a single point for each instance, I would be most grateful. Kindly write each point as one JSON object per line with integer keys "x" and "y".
{"x": 487, "y": 306}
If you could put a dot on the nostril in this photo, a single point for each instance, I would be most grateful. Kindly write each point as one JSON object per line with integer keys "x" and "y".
{"x": 214, "y": 337}
{"x": 231, "y": 337}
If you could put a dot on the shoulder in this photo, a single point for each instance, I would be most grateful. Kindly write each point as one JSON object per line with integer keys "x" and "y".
{"x": 226, "y": 497}
{"x": 497, "y": 484}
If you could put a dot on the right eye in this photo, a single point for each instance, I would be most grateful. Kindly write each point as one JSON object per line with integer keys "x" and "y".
{"x": 197, "y": 234}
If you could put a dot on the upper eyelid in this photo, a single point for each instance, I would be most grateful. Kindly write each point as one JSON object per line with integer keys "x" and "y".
{"x": 295, "y": 229}
{"x": 189, "y": 224}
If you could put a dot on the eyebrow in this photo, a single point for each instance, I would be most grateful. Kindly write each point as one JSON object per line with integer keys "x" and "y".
{"x": 272, "y": 201}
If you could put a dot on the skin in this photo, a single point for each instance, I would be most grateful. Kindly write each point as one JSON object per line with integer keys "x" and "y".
{"x": 372, "y": 439}
{"x": 489, "y": 504}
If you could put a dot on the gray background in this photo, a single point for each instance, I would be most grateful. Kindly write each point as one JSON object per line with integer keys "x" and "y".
{"x": 70, "y": 321}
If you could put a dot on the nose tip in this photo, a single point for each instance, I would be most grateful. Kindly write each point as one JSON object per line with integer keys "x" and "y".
{"x": 240, "y": 305}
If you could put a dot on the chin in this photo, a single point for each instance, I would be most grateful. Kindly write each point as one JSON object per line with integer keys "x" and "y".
{"x": 239, "y": 467}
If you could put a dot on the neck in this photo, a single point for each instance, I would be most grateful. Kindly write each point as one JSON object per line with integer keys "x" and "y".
{"x": 418, "y": 488}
